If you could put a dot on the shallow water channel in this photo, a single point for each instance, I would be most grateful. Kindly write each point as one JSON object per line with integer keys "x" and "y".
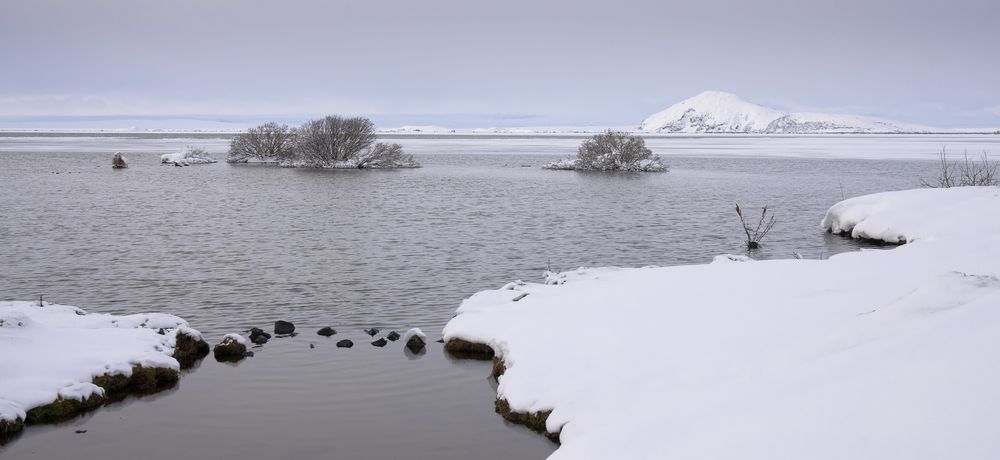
{"x": 230, "y": 247}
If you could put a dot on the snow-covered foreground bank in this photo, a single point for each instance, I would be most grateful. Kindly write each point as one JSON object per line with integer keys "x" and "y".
{"x": 876, "y": 354}
{"x": 57, "y": 353}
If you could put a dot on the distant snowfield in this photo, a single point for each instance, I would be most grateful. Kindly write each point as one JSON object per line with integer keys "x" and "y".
{"x": 878, "y": 354}
{"x": 846, "y": 146}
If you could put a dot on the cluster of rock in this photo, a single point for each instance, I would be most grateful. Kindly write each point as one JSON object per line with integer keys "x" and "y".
{"x": 235, "y": 347}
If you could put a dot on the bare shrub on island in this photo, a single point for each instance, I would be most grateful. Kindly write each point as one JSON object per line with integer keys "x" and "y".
{"x": 333, "y": 139}
{"x": 267, "y": 142}
{"x": 329, "y": 142}
{"x": 386, "y": 155}
{"x": 612, "y": 151}
{"x": 966, "y": 173}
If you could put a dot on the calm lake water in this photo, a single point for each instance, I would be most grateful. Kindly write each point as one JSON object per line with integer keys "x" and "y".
{"x": 230, "y": 247}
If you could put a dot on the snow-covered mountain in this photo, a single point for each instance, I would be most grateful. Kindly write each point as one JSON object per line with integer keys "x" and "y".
{"x": 720, "y": 112}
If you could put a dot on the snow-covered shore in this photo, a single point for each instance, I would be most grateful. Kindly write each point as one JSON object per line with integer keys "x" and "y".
{"x": 58, "y": 360}
{"x": 869, "y": 355}
{"x": 188, "y": 156}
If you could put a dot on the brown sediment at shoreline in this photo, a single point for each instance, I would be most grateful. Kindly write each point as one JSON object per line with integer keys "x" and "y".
{"x": 534, "y": 421}
{"x": 143, "y": 381}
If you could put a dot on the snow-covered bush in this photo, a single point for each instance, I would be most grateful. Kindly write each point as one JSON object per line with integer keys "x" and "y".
{"x": 267, "y": 142}
{"x": 188, "y": 156}
{"x": 384, "y": 155}
{"x": 612, "y": 151}
{"x": 329, "y": 142}
{"x": 967, "y": 173}
{"x": 332, "y": 139}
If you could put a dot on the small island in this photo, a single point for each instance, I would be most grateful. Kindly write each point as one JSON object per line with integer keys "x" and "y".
{"x": 330, "y": 142}
{"x": 612, "y": 151}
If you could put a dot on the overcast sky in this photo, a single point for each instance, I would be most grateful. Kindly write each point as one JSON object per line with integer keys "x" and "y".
{"x": 533, "y": 62}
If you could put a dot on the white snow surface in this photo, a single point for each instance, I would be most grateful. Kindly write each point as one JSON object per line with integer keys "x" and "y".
{"x": 414, "y": 332}
{"x": 188, "y": 156}
{"x": 876, "y": 354}
{"x": 56, "y": 350}
{"x": 721, "y": 112}
{"x": 236, "y": 338}
{"x": 907, "y": 216}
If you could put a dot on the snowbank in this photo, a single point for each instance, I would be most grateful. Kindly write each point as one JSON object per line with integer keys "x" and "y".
{"x": 188, "y": 156}
{"x": 906, "y": 216}
{"x": 54, "y": 353}
{"x": 571, "y": 164}
{"x": 869, "y": 355}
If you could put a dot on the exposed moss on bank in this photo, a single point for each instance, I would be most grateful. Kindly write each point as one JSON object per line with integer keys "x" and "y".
{"x": 533, "y": 420}
{"x": 468, "y": 350}
{"x": 499, "y": 367}
{"x": 8, "y": 428}
{"x": 872, "y": 241}
{"x": 143, "y": 381}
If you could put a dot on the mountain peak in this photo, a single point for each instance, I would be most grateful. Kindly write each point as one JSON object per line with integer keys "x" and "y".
{"x": 722, "y": 112}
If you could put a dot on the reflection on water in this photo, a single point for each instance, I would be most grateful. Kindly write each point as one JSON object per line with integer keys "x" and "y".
{"x": 230, "y": 247}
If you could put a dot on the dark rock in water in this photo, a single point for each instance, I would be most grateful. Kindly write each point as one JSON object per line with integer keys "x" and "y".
{"x": 392, "y": 336}
{"x": 326, "y": 331}
{"x": 415, "y": 343}
{"x": 283, "y": 327}
{"x": 248, "y": 354}
{"x": 371, "y": 331}
{"x": 258, "y": 336}
{"x": 161, "y": 331}
{"x": 380, "y": 343}
{"x": 81, "y": 431}
{"x": 345, "y": 344}
{"x": 312, "y": 346}
{"x": 118, "y": 162}
{"x": 230, "y": 349}
{"x": 189, "y": 349}
{"x": 439, "y": 340}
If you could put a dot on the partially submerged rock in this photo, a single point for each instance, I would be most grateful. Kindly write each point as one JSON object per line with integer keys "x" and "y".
{"x": 232, "y": 348}
{"x": 415, "y": 340}
{"x": 392, "y": 336}
{"x": 283, "y": 327}
{"x": 380, "y": 342}
{"x": 326, "y": 331}
{"x": 258, "y": 336}
{"x": 372, "y": 331}
{"x": 118, "y": 161}
{"x": 345, "y": 344}
{"x": 189, "y": 346}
